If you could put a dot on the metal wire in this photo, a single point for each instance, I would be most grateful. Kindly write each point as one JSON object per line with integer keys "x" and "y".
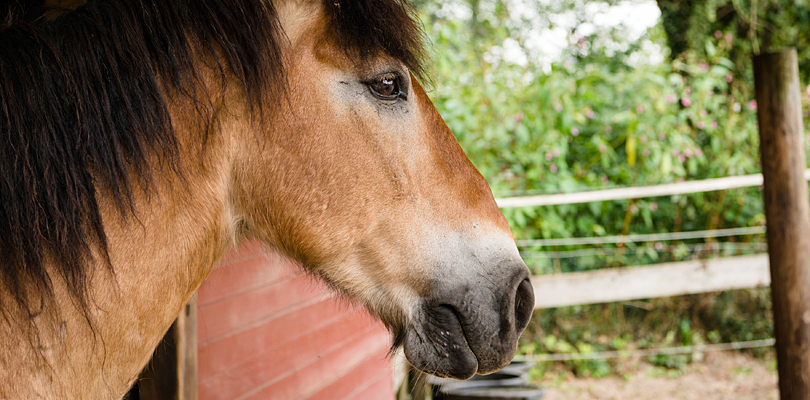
{"x": 603, "y": 355}
{"x": 653, "y": 237}
{"x": 626, "y": 251}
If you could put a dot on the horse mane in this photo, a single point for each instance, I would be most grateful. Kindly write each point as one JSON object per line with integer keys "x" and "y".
{"x": 84, "y": 108}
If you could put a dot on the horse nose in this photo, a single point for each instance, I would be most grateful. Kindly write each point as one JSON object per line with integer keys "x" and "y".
{"x": 524, "y": 304}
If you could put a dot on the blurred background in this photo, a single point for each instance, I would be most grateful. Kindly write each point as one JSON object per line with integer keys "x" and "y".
{"x": 567, "y": 96}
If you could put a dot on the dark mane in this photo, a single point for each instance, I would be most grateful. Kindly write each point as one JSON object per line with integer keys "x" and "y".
{"x": 84, "y": 100}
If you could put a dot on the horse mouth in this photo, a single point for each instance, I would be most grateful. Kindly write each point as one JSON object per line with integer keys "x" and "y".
{"x": 470, "y": 331}
{"x": 439, "y": 346}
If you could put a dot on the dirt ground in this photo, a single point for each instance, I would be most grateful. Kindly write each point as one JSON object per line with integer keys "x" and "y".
{"x": 719, "y": 376}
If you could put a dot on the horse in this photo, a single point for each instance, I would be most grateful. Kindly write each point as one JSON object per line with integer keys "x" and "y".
{"x": 140, "y": 139}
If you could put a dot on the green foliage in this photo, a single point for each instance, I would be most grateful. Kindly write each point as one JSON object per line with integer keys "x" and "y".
{"x": 747, "y": 27}
{"x": 599, "y": 117}
{"x": 594, "y": 121}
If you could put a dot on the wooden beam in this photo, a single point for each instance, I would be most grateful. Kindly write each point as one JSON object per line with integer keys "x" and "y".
{"x": 787, "y": 211}
{"x": 172, "y": 372}
{"x": 637, "y": 192}
{"x": 664, "y": 280}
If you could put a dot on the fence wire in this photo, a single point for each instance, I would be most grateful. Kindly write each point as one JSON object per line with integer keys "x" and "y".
{"x": 603, "y": 355}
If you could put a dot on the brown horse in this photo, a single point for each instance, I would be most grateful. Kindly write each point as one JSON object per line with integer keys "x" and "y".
{"x": 142, "y": 138}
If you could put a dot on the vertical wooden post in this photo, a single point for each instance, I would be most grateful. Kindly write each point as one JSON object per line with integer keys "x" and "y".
{"x": 786, "y": 209}
{"x": 172, "y": 372}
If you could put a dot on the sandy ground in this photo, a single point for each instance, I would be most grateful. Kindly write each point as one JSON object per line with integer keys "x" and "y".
{"x": 719, "y": 376}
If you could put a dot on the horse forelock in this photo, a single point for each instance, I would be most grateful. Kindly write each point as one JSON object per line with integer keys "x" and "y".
{"x": 84, "y": 110}
{"x": 368, "y": 27}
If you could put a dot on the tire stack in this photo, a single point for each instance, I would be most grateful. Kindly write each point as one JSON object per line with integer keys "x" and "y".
{"x": 510, "y": 383}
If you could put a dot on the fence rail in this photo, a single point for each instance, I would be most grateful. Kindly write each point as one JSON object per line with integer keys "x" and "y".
{"x": 637, "y": 192}
{"x": 661, "y": 280}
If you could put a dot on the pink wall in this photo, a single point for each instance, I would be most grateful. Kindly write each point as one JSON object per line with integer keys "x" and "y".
{"x": 266, "y": 331}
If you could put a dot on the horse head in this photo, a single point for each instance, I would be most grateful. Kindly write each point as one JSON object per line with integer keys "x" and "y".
{"x": 357, "y": 177}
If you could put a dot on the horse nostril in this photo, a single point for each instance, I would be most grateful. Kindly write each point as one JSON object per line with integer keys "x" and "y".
{"x": 524, "y": 305}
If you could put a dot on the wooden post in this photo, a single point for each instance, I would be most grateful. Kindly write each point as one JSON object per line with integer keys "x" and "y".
{"x": 786, "y": 209}
{"x": 172, "y": 372}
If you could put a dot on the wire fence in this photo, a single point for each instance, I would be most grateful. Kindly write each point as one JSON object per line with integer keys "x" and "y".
{"x": 653, "y": 237}
{"x": 604, "y": 355}
{"x": 687, "y": 250}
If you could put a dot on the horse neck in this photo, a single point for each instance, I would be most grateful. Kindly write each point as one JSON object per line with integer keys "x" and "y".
{"x": 160, "y": 256}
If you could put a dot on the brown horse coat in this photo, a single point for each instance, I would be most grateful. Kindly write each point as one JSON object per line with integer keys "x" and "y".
{"x": 166, "y": 146}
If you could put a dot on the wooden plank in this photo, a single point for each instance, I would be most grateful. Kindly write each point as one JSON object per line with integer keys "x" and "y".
{"x": 638, "y": 192}
{"x": 779, "y": 111}
{"x": 172, "y": 372}
{"x": 633, "y": 283}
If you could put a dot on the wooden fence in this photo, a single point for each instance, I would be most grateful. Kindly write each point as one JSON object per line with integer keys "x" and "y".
{"x": 644, "y": 282}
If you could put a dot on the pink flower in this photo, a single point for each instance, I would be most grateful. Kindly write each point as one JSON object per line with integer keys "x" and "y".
{"x": 661, "y": 136}
{"x": 646, "y": 152}
{"x": 688, "y": 153}
{"x": 729, "y": 37}
{"x": 729, "y": 78}
{"x": 686, "y": 102}
{"x": 714, "y": 124}
{"x": 701, "y": 125}
{"x": 602, "y": 148}
{"x": 687, "y": 91}
{"x": 553, "y": 168}
{"x": 589, "y": 113}
{"x": 703, "y": 67}
{"x": 653, "y": 206}
{"x": 639, "y": 109}
{"x": 643, "y": 139}
{"x": 698, "y": 152}
{"x": 703, "y": 113}
{"x": 681, "y": 158}
{"x": 548, "y": 156}
{"x": 557, "y": 107}
{"x": 671, "y": 99}
{"x": 575, "y": 131}
{"x": 608, "y": 129}
{"x": 752, "y": 105}
{"x": 658, "y": 246}
{"x": 605, "y": 179}
{"x": 555, "y": 153}
{"x": 718, "y": 34}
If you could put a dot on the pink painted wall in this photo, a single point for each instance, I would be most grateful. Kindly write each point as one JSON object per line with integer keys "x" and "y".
{"x": 267, "y": 331}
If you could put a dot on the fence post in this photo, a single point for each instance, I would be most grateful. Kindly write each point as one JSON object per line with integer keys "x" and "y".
{"x": 172, "y": 372}
{"x": 786, "y": 209}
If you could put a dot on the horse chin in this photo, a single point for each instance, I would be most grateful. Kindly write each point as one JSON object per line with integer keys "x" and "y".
{"x": 439, "y": 345}
{"x": 464, "y": 329}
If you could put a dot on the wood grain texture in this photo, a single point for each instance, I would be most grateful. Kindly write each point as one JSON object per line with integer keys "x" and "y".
{"x": 786, "y": 209}
{"x": 268, "y": 331}
{"x": 633, "y": 283}
{"x": 172, "y": 372}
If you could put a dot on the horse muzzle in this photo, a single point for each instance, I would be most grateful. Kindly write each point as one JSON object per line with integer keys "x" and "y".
{"x": 471, "y": 326}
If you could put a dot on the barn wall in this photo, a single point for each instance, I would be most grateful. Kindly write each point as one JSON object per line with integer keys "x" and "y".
{"x": 266, "y": 331}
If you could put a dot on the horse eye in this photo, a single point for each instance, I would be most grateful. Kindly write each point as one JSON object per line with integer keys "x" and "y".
{"x": 386, "y": 87}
